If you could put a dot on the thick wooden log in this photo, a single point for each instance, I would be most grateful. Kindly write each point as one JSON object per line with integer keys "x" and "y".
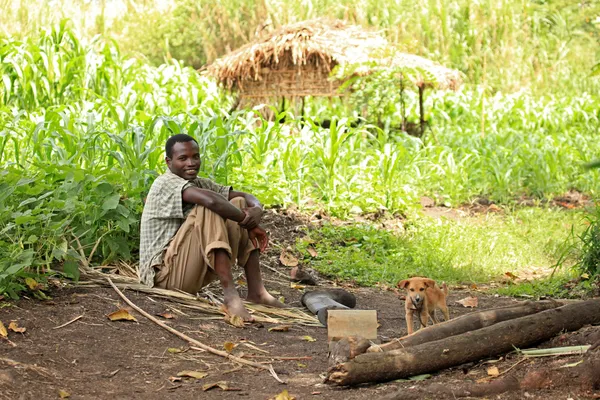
{"x": 466, "y": 323}
{"x": 583, "y": 378}
{"x": 467, "y": 347}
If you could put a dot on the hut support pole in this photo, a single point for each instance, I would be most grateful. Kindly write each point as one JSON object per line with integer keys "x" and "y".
{"x": 402, "y": 105}
{"x": 421, "y": 110}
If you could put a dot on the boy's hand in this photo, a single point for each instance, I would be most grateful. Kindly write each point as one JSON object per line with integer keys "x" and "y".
{"x": 259, "y": 238}
{"x": 253, "y": 217}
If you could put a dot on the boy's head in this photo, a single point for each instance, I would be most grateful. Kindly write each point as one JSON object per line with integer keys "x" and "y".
{"x": 182, "y": 155}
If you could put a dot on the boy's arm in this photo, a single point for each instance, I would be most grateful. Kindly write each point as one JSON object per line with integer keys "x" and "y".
{"x": 214, "y": 202}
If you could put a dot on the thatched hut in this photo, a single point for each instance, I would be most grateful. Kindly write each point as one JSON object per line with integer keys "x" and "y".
{"x": 296, "y": 60}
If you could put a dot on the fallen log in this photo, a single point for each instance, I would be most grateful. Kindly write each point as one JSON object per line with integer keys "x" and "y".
{"x": 466, "y": 323}
{"x": 583, "y": 378}
{"x": 471, "y": 346}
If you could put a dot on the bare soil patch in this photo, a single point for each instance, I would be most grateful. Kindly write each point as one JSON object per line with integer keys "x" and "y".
{"x": 95, "y": 358}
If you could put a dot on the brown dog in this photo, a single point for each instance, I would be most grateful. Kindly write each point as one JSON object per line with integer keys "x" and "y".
{"x": 423, "y": 297}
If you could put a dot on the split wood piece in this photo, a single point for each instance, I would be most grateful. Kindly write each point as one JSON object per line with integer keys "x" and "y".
{"x": 346, "y": 349}
{"x": 194, "y": 341}
{"x": 466, "y": 323}
{"x": 468, "y": 347}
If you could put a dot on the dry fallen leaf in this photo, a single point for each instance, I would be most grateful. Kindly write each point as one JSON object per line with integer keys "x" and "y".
{"x": 311, "y": 250}
{"x": 15, "y": 328}
{"x": 300, "y": 365}
{"x": 234, "y": 320}
{"x": 493, "y": 371}
{"x": 229, "y": 346}
{"x": 121, "y": 315}
{"x": 174, "y": 350}
{"x": 309, "y": 338}
{"x": 288, "y": 259}
{"x": 193, "y": 374}
{"x": 63, "y": 394}
{"x": 166, "y": 315}
{"x": 32, "y": 284}
{"x": 220, "y": 384}
{"x": 282, "y": 328}
{"x": 296, "y": 286}
{"x": 511, "y": 275}
{"x": 283, "y": 396}
{"x": 468, "y": 302}
{"x": 3, "y": 331}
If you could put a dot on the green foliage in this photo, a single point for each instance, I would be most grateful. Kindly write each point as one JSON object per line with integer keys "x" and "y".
{"x": 590, "y": 242}
{"x": 82, "y": 131}
{"x": 564, "y": 286}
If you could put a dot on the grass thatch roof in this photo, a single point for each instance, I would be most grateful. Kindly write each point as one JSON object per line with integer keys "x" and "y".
{"x": 297, "y": 59}
{"x": 429, "y": 72}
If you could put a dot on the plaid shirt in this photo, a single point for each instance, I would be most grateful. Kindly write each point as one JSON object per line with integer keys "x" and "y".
{"x": 163, "y": 215}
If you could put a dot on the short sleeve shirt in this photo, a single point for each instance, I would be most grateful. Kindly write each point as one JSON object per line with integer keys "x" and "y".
{"x": 163, "y": 215}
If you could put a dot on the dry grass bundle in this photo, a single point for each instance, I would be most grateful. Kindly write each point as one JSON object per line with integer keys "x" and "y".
{"x": 91, "y": 277}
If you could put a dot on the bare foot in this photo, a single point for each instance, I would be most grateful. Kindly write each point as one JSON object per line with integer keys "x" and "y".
{"x": 235, "y": 306}
{"x": 266, "y": 299}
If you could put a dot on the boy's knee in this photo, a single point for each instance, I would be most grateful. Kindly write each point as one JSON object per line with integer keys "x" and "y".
{"x": 239, "y": 202}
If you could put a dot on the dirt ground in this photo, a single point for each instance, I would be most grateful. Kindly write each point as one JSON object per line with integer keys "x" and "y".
{"x": 95, "y": 358}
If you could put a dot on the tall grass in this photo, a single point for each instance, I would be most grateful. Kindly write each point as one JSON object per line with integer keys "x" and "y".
{"x": 504, "y": 45}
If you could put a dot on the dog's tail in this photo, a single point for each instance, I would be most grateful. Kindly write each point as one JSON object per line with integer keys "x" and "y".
{"x": 445, "y": 288}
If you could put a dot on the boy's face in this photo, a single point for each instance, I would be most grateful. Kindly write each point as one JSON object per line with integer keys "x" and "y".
{"x": 185, "y": 161}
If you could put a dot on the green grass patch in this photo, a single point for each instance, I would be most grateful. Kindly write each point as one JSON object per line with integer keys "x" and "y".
{"x": 567, "y": 284}
{"x": 475, "y": 249}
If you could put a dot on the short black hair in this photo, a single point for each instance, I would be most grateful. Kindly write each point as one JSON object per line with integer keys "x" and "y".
{"x": 180, "y": 138}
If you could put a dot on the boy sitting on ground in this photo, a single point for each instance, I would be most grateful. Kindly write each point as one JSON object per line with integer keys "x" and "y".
{"x": 193, "y": 230}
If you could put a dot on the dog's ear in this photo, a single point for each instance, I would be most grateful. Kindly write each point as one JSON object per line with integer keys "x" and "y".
{"x": 402, "y": 284}
{"x": 429, "y": 282}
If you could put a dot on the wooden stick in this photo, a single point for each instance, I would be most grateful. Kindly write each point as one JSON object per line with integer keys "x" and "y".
{"x": 280, "y": 358}
{"x": 194, "y": 341}
{"x": 68, "y": 323}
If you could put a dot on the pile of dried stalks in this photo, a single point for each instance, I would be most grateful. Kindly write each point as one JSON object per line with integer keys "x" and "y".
{"x": 94, "y": 277}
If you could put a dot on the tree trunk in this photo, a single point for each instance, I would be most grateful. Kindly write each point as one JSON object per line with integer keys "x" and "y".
{"x": 466, "y": 323}
{"x": 467, "y": 347}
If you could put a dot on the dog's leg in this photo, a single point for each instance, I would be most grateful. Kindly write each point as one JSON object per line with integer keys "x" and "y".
{"x": 423, "y": 318}
{"x": 409, "y": 321}
{"x": 446, "y": 313}
{"x": 434, "y": 319}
